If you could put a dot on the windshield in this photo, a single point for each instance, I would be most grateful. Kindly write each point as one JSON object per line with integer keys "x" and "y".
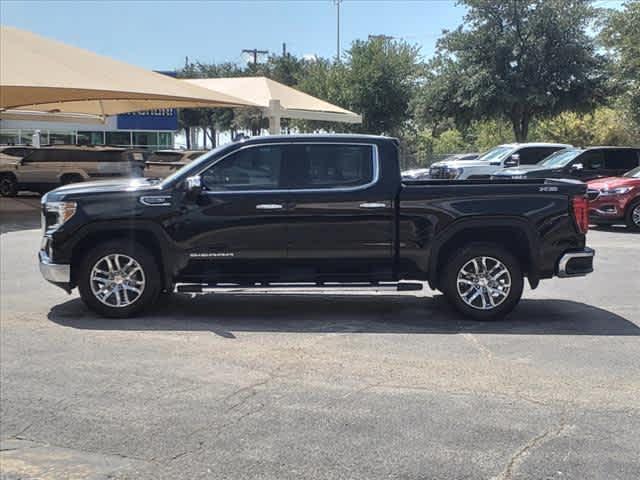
{"x": 495, "y": 154}
{"x": 193, "y": 167}
{"x": 560, "y": 159}
{"x": 635, "y": 173}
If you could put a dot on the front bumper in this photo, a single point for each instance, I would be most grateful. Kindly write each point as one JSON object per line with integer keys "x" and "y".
{"x": 56, "y": 273}
{"x": 576, "y": 263}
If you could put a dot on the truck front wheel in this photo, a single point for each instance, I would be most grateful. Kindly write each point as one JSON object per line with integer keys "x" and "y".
{"x": 119, "y": 279}
{"x": 483, "y": 281}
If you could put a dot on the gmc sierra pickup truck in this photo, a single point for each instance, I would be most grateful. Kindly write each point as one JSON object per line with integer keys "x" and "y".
{"x": 329, "y": 211}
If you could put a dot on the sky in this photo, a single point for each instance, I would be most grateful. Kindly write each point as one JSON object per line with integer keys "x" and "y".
{"x": 159, "y": 34}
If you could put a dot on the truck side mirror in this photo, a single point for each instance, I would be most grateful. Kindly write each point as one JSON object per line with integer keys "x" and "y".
{"x": 577, "y": 167}
{"x": 194, "y": 187}
{"x": 512, "y": 161}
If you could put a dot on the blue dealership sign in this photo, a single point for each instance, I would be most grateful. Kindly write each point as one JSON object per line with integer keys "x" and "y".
{"x": 159, "y": 119}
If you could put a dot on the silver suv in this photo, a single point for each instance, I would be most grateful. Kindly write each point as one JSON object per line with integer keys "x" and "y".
{"x": 49, "y": 167}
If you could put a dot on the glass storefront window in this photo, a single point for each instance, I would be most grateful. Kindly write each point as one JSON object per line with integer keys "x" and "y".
{"x": 9, "y": 137}
{"x": 90, "y": 138}
{"x": 122, "y": 139}
{"x": 165, "y": 139}
{"x": 145, "y": 139}
{"x": 60, "y": 138}
{"x": 26, "y": 137}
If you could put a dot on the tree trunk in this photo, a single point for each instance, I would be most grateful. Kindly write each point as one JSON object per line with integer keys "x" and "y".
{"x": 187, "y": 135}
{"x": 520, "y": 123}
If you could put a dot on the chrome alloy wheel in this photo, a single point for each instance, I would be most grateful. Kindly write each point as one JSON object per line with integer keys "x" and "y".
{"x": 635, "y": 215}
{"x": 117, "y": 280}
{"x": 483, "y": 283}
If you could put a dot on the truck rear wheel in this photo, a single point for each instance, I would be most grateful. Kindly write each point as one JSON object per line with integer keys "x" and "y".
{"x": 8, "y": 185}
{"x": 483, "y": 281}
{"x": 119, "y": 279}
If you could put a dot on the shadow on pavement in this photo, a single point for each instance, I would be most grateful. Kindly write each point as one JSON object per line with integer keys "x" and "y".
{"x": 226, "y": 313}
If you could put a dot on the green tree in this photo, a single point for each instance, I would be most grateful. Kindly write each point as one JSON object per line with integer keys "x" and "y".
{"x": 381, "y": 76}
{"x": 518, "y": 60}
{"x": 621, "y": 35}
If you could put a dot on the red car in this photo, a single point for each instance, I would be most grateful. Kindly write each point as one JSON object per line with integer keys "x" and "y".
{"x": 616, "y": 199}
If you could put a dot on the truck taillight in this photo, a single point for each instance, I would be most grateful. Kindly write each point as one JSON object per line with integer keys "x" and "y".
{"x": 580, "y": 206}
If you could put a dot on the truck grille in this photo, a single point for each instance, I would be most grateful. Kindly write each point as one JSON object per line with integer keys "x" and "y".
{"x": 593, "y": 194}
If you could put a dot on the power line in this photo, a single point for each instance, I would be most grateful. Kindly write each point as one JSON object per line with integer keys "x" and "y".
{"x": 255, "y": 52}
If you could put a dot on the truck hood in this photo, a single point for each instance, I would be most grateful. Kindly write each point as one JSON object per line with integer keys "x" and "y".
{"x": 613, "y": 182}
{"x": 122, "y": 185}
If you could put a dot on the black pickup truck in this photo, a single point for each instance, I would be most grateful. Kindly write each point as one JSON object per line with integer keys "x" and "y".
{"x": 329, "y": 211}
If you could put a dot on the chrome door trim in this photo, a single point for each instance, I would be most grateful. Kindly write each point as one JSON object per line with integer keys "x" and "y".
{"x": 269, "y": 206}
{"x": 375, "y": 159}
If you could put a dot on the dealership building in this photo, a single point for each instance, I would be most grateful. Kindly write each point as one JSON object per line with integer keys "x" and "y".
{"x": 153, "y": 129}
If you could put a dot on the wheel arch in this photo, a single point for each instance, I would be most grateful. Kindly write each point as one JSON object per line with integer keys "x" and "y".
{"x": 141, "y": 234}
{"x": 513, "y": 234}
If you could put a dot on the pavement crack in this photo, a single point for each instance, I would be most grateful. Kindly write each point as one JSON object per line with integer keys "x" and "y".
{"x": 483, "y": 350}
{"x": 519, "y": 456}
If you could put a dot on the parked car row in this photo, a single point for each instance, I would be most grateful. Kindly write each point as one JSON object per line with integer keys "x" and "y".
{"x": 612, "y": 173}
{"x": 25, "y": 168}
{"x": 45, "y": 168}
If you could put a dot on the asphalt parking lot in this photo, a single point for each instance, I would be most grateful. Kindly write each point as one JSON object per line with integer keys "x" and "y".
{"x": 320, "y": 386}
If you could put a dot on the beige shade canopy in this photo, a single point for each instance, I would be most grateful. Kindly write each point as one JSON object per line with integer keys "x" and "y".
{"x": 39, "y": 74}
{"x": 277, "y": 99}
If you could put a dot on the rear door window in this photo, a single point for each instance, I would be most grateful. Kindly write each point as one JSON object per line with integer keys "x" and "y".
{"x": 623, "y": 160}
{"x": 330, "y": 166}
{"x": 533, "y": 155}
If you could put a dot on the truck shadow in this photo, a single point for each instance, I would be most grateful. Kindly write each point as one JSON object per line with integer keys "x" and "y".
{"x": 224, "y": 314}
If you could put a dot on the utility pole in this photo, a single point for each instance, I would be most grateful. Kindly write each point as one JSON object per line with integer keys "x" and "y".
{"x": 284, "y": 49}
{"x": 255, "y": 52}
{"x": 338, "y": 2}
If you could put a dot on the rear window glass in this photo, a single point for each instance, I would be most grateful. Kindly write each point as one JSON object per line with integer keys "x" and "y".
{"x": 331, "y": 166}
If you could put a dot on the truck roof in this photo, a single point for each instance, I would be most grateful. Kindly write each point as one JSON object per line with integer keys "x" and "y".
{"x": 342, "y": 137}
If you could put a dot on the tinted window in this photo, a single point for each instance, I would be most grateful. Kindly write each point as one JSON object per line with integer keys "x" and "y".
{"x": 592, "y": 159}
{"x": 533, "y": 155}
{"x": 165, "y": 157}
{"x": 101, "y": 156}
{"x": 331, "y": 166}
{"x": 256, "y": 168}
{"x": 16, "y": 151}
{"x": 621, "y": 159}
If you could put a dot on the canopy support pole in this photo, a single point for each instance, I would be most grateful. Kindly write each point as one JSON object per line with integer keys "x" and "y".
{"x": 274, "y": 113}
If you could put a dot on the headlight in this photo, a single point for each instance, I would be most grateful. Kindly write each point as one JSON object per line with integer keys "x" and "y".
{"x": 454, "y": 172}
{"x": 57, "y": 213}
{"x": 616, "y": 191}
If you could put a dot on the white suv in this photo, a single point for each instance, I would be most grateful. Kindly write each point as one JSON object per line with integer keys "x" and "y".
{"x": 502, "y": 156}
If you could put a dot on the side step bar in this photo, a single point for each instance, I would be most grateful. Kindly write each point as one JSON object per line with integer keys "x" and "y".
{"x": 384, "y": 286}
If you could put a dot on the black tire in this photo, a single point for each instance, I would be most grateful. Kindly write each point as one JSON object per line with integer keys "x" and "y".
{"x": 146, "y": 261}
{"x": 629, "y": 216}
{"x": 460, "y": 258}
{"x": 71, "y": 178}
{"x": 8, "y": 185}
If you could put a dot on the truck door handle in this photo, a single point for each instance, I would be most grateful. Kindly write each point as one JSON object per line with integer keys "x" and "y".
{"x": 269, "y": 206}
{"x": 373, "y": 205}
